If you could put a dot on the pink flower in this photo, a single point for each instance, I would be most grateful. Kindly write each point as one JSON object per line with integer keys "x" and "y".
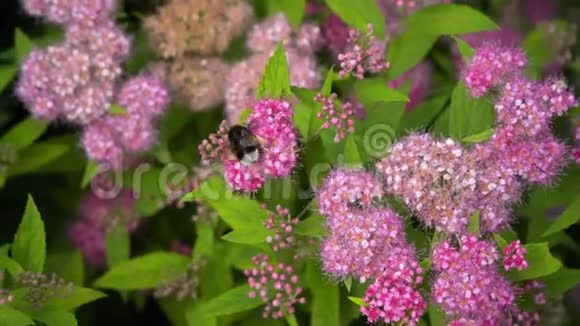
{"x": 90, "y": 12}
{"x": 101, "y": 144}
{"x": 491, "y": 66}
{"x": 282, "y": 224}
{"x": 276, "y": 285}
{"x": 336, "y": 33}
{"x": 514, "y": 256}
{"x": 364, "y": 54}
{"x": 144, "y": 95}
{"x": 420, "y": 79}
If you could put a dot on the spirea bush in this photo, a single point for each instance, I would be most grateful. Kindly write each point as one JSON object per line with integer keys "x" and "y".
{"x": 337, "y": 162}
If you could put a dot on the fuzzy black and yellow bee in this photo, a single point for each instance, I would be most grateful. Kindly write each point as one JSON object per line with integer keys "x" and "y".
{"x": 244, "y": 145}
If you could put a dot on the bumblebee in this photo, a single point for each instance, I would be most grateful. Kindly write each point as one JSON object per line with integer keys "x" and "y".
{"x": 244, "y": 145}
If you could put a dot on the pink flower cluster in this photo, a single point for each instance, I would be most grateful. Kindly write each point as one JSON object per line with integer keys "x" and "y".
{"x": 276, "y": 285}
{"x": 576, "y": 151}
{"x": 364, "y": 54}
{"x": 300, "y": 46}
{"x": 368, "y": 242}
{"x": 537, "y": 291}
{"x": 109, "y": 139}
{"x": 270, "y": 121}
{"x": 393, "y": 297}
{"x": 522, "y": 142}
{"x": 467, "y": 284}
{"x": 514, "y": 256}
{"x": 444, "y": 184}
{"x": 78, "y": 78}
{"x": 97, "y": 217}
{"x": 341, "y": 118}
{"x": 282, "y": 224}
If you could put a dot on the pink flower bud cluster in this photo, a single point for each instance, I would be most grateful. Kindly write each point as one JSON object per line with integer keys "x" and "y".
{"x": 109, "y": 139}
{"x": 40, "y": 288}
{"x": 282, "y": 224}
{"x": 184, "y": 286}
{"x": 271, "y": 122}
{"x": 364, "y": 54}
{"x": 393, "y": 297}
{"x": 514, "y": 256}
{"x": 468, "y": 285}
{"x": 276, "y": 285}
{"x": 5, "y": 297}
{"x": 300, "y": 46}
{"x": 537, "y": 291}
{"x": 339, "y": 117}
{"x": 97, "y": 217}
{"x": 65, "y": 12}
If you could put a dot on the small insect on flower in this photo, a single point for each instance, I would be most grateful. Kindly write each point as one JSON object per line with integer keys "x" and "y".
{"x": 244, "y": 144}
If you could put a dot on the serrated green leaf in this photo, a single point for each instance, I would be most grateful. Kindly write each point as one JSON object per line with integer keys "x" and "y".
{"x": 7, "y": 73}
{"x": 117, "y": 245}
{"x": 292, "y": 9}
{"x": 35, "y": 156}
{"x": 358, "y": 301}
{"x": 423, "y": 114}
{"x": 465, "y": 49}
{"x": 479, "y": 137}
{"x": 561, "y": 281}
{"x": 569, "y": 217}
{"x": 25, "y": 133}
{"x": 250, "y": 235}
{"x": 540, "y": 263}
{"x": 230, "y": 302}
{"x": 275, "y": 81}
{"x": 371, "y": 90}
{"x": 22, "y": 44}
{"x": 406, "y": 50}
{"x": 12, "y": 317}
{"x": 116, "y": 109}
{"x": 358, "y": 14}
{"x": 29, "y": 246}
{"x": 312, "y": 226}
{"x": 53, "y": 317}
{"x": 10, "y": 265}
{"x": 145, "y": 272}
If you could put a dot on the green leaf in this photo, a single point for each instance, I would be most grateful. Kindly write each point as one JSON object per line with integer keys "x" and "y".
{"x": 91, "y": 170}
{"x": 25, "y": 133}
{"x": 474, "y": 223}
{"x": 358, "y": 301}
{"x": 275, "y": 80}
{"x": 436, "y": 316}
{"x": 348, "y": 283}
{"x": 501, "y": 243}
{"x": 195, "y": 317}
{"x": 450, "y": 19}
{"x": 406, "y": 50}
{"x": 291, "y": 319}
{"x": 117, "y": 110}
{"x": 371, "y": 90}
{"x": 35, "y": 156}
{"x": 465, "y": 49}
{"x": 423, "y": 114}
{"x": 569, "y": 217}
{"x": 68, "y": 265}
{"x": 251, "y": 235}
{"x": 292, "y": 9}
{"x": 7, "y": 73}
{"x": 479, "y": 137}
{"x": 540, "y": 263}
{"x": 326, "y": 89}
{"x": 230, "y": 302}
{"x": 52, "y": 317}
{"x": 22, "y": 44}
{"x": 145, "y": 272}
{"x": 10, "y": 265}
{"x": 358, "y": 14}
{"x": 117, "y": 245}
{"x": 29, "y": 246}
{"x": 312, "y": 226}
{"x": 537, "y": 46}
{"x": 561, "y": 281}
{"x": 326, "y": 298}
{"x": 78, "y": 297}
{"x": 352, "y": 155}
{"x": 12, "y": 317}
{"x": 468, "y": 116}
{"x": 244, "y": 115}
